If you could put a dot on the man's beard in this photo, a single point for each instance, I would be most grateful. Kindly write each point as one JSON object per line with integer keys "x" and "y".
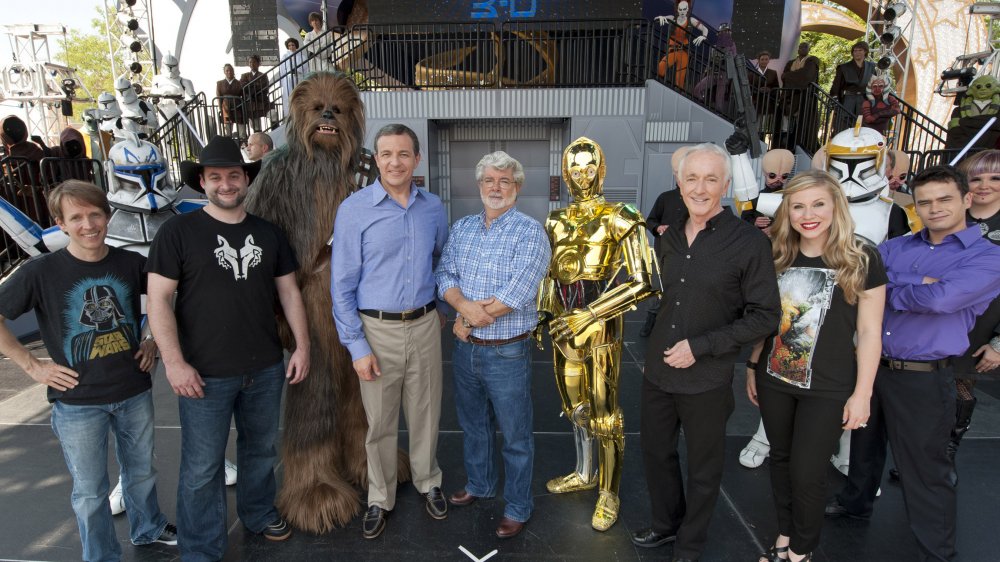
{"x": 495, "y": 205}
{"x": 214, "y": 198}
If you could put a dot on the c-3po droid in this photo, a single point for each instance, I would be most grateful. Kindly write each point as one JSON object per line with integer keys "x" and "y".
{"x": 601, "y": 267}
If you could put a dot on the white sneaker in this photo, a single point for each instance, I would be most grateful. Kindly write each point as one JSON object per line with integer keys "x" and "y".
{"x": 754, "y": 453}
{"x": 116, "y": 500}
{"x": 230, "y": 473}
{"x": 842, "y": 465}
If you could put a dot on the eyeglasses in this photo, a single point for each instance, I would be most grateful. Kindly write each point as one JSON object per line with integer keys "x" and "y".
{"x": 490, "y": 182}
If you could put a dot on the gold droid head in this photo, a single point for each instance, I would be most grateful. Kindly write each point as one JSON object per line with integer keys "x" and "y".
{"x": 583, "y": 169}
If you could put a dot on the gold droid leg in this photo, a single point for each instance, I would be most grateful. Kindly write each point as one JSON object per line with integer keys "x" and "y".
{"x": 607, "y": 425}
{"x": 571, "y": 383}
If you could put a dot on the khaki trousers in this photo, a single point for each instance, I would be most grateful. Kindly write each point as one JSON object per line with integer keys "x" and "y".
{"x": 409, "y": 356}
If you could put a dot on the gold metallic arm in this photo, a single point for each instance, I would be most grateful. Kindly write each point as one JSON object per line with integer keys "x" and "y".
{"x": 639, "y": 265}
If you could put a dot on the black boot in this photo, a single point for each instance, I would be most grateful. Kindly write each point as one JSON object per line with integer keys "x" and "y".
{"x": 647, "y": 328}
{"x": 963, "y": 419}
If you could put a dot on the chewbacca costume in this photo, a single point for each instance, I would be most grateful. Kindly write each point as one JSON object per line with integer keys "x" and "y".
{"x": 299, "y": 189}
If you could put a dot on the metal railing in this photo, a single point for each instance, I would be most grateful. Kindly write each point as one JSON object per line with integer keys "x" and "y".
{"x": 21, "y": 187}
{"x": 917, "y": 131}
{"x": 25, "y": 184}
{"x": 551, "y": 54}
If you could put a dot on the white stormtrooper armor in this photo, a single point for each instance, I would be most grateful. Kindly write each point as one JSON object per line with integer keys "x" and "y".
{"x": 170, "y": 87}
{"x": 133, "y": 108}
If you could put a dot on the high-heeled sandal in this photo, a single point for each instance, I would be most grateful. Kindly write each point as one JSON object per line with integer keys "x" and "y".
{"x": 774, "y": 554}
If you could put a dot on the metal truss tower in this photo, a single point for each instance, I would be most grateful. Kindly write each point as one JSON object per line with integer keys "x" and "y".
{"x": 971, "y": 65}
{"x": 44, "y": 90}
{"x": 129, "y": 28}
{"x": 889, "y": 31}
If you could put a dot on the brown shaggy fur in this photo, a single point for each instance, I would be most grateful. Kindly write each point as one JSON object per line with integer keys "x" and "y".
{"x": 300, "y": 188}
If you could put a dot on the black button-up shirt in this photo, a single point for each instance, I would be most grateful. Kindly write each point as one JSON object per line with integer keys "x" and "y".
{"x": 720, "y": 294}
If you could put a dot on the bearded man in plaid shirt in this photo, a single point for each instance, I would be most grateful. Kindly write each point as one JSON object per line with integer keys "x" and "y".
{"x": 489, "y": 272}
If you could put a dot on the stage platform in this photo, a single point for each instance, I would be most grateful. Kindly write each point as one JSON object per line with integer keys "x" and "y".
{"x": 37, "y": 522}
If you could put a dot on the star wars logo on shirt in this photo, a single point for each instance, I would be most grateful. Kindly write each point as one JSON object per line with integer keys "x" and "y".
{"x": 239, "y": 261}
{"x": 806, "y": 294}
{"x": 96, "y": 318}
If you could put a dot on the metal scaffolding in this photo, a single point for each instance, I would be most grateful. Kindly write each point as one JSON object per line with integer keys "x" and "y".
{"x": 129, "y": 28}
{"x": 43, "y": 89}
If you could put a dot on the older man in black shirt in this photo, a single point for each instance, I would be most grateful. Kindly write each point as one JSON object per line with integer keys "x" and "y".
{"x": 719, "y": 293}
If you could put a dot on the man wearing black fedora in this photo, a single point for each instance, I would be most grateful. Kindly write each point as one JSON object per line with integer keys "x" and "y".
{"x": 220, "y": 347}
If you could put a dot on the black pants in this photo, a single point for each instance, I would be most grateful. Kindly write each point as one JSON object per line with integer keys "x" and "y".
{"x": 803, "y": 431}
{"x": 703, "y": 418}
{"x": 916, "y": 411}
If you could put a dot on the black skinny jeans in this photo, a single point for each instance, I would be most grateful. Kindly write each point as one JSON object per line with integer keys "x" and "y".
{"x": 803, "y": 431}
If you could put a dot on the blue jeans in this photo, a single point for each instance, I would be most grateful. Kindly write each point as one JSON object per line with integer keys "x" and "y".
{"x": 83, "y": 435}
{"x": 493, "y": 383}
{"x": 255, "y": 400}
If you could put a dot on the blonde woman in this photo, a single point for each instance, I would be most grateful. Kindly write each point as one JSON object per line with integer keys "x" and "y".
{"x": 809, "y": 379}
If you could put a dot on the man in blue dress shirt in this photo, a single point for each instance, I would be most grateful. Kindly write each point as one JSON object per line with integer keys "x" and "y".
{"x": 489, "y": 272}
{"x": 386, "y": 239}
{"x": 940, "y": 279}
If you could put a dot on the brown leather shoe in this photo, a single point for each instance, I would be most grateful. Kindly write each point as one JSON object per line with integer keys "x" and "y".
{"x": 508, "y": 528}
{"x": 462, "y": 497}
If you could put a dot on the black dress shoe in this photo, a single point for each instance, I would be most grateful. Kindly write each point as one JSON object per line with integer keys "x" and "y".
{"x": 835, "y": 509}
{"x": 374, "y": 522}
{"x": 436, "y": 504}
{"x": 648, "y": 538}
{"x": 462, "y": 497}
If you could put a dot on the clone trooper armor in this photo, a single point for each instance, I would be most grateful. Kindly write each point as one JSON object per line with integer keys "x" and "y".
{"x": 141, "y": 195}
{"x": 141, "y": 198}
{"x": 857, "y": 158}
{"x": 133, "y": 108}
{"x": 601, "y": 267}
{"x": 170, "y": 87}
{"x": 107, "y": 117}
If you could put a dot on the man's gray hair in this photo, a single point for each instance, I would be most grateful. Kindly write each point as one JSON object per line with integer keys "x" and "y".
{"x": 500, "y": 160}
{"x": 711, "y": 149}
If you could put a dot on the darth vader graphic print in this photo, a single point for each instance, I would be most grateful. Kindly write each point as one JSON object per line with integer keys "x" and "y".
{"x": 240, "y": 258}
{"x": 96, "y": 319}
{"x": 806, "y": 294}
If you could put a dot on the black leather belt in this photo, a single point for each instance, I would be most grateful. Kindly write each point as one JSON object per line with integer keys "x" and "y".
{"x": 478, "y": 341}
{"x": 405, "y": 315}
{"x": 922, "y": 366}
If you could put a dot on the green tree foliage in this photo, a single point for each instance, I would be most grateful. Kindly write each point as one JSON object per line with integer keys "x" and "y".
{"x": 88, "y": 54}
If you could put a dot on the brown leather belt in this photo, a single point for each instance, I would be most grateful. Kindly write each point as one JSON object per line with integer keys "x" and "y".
{"x": 922, "y": 366}
{"x": 405, "y": 315}
{"x": 478, "y": 341}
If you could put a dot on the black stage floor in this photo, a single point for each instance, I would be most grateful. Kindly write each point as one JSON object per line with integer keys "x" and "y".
{"x": 37, "y": 522}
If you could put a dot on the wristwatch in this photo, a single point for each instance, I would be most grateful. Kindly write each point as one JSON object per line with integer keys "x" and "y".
{"x": 751, "y": 365}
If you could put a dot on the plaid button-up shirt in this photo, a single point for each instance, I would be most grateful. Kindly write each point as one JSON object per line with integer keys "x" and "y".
{"x": 506, "y": 261}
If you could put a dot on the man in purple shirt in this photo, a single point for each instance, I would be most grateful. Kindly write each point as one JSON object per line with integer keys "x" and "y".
{"x": 939, "y": 280}
{"x": 385, "y": 241}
